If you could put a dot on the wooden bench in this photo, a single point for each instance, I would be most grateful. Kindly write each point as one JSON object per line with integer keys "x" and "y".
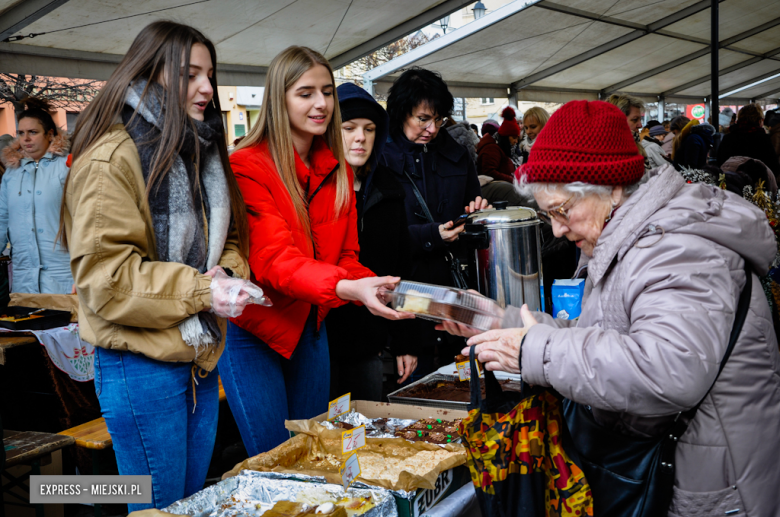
{"x": 31, "y": 449}
{"x": 92, "y": 435}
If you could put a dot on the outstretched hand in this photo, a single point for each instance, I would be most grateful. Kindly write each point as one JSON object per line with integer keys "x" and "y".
{"x": 368, "y": 292}
{"x": 500, "y": 349}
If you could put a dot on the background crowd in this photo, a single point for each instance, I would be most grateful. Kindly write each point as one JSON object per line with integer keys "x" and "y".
{"x": 326, "y": 202}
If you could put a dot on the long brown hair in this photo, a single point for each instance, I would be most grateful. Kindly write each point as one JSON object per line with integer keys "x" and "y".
{"x": 274, "y": 127}
{"x": 161, "y": 50}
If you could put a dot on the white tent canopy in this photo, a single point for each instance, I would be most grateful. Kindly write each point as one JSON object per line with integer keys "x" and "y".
{"x": 575, "y": 49}
{"x": 247, "y": 33}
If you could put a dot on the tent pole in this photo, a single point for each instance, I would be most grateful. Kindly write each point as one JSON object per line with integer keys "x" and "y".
{"x": 715, "y": 44}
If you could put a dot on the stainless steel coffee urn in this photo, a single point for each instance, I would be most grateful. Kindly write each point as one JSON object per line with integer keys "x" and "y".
{"x": 507, "y": 254}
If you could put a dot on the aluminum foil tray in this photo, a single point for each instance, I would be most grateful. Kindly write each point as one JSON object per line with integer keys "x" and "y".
{"x": 395, "y": 398}
{"x": 439, "y": 303}
{"x": 253, "y": 493}
{"x": 375, "y": 427}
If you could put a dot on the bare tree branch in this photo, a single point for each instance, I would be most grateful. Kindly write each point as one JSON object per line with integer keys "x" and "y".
{"x": 355, "y": 70}
{"x": 70, "y": 94}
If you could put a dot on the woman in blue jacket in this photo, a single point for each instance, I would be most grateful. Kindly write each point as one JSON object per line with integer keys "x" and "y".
{"x": 446, "y": 179}
{"x": 30, "y": 197}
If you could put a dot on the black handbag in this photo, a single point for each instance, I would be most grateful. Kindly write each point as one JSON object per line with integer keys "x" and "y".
{"x": 456, "y": 270}
{"x": 632, "y": 476}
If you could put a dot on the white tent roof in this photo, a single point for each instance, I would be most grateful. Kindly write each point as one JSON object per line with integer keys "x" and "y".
{"x": 247, "y": 33}
{"x": 569, "y": 49}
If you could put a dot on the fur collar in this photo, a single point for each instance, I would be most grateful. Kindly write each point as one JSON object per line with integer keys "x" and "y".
{"x": 13, "y": 155}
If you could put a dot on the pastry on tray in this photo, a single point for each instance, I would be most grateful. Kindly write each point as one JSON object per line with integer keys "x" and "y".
{"x": 431, "y": 430}
{"x": 293, "y": 509}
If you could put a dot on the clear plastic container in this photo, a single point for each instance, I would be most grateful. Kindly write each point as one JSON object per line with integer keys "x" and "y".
{"x": 439, "y": 303}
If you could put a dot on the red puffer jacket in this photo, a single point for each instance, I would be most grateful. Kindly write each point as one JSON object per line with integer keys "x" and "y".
{"x": 281, "y": 256}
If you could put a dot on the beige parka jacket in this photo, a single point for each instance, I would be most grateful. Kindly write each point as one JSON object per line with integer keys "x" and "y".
{"x": 660, "y": 299}
{"x": 127, "y": 299}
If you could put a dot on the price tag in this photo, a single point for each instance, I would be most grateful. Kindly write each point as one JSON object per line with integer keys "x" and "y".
{"x": 339, "y": 406}
{"x": 464, "y": 371}
{"x": 350, "y": 470}
{"x": 353, "y": 439}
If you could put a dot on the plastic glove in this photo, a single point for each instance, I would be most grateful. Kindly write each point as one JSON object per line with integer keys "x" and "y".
{"x": 229, "y": 296}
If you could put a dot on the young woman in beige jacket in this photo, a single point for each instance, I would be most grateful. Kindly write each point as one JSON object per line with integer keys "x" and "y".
{"x": 151, "y": 214}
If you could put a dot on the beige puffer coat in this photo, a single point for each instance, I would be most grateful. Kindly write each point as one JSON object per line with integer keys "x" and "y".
{"x": 660, "y": 298}
{"x": 128, "y": 300}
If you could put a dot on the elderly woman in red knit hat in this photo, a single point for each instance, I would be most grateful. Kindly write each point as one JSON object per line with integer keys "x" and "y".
{"x": 672, "y": 273}
{"x": 494, "y": 152}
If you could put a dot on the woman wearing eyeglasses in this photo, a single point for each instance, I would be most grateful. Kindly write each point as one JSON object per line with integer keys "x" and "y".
{"x": 667, "y": 263}
{"x": 432, "y": 167}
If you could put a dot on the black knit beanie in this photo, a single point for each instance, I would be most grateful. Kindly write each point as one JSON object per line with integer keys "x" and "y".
{"x": 360, "y": 108}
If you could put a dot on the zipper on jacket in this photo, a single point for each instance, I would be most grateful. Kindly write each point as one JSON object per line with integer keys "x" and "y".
{"x": 315, "y": 310}
{"x": 35, "y": 226}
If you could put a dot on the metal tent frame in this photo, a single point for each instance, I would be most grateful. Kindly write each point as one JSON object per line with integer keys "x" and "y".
{"x": 651, "y": 51}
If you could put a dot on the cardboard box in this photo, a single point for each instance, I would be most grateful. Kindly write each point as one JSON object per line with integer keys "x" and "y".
{"x": 447, "y": 482}
{"x": 58, "y": 302}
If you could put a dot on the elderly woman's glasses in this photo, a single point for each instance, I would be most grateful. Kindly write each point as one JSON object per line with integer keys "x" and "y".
{"x": 559, "y": 213}
{"x": 425, "y": 122}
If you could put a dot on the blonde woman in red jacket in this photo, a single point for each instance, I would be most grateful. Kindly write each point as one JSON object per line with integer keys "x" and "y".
{"x": 303, "y": 251}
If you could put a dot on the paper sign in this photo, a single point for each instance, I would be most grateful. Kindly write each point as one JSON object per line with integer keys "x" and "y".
{"x": 350, "y": 470}
{"x": 464, "y": 371}
{"x": 353, "y": 439}
{"x": 338, "y": 406}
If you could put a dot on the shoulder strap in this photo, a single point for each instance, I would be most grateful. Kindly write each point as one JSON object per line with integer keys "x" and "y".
{"x": 420, "y": 199}
{"x": 739, "y": 321}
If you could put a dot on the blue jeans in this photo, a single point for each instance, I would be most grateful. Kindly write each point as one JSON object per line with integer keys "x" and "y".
{"x": 264, "y": 389}
{"x": 148, "y": 407}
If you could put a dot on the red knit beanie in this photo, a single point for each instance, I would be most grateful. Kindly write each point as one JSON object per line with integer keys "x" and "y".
{"x": 585, "y": 141}
{"x": 509, "y": 127}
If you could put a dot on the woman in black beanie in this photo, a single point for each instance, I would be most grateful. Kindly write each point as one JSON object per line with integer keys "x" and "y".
{"x": 356, "y": 338}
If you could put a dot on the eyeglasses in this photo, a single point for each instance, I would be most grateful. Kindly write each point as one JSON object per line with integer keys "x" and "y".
{"x": 425, "y": 123}
{"x": 559, "y": 213}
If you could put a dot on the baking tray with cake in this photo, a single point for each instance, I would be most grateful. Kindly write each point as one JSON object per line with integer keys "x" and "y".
{"x": 256, "y": 494}
{"x": 22, "y": 319}
{"x": 443, "y": 391}
{"x": 439, "y": 303}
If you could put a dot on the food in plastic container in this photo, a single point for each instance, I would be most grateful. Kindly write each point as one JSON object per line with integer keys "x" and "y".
{"x": 440, "y": 303}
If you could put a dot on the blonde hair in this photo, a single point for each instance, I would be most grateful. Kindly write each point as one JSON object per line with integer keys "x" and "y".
{"x": 273, "y": 126}
{"x": 539, "y": 114}
{"x": 625, "y": 102}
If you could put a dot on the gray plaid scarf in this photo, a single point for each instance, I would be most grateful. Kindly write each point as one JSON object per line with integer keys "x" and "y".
{"x": 177, "y": 204}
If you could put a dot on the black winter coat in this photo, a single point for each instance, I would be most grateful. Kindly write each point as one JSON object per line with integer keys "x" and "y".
{"x": 383, "y": 235}
{"x": 694, "y": 149}
{"x": 447, "y": 180}
{"x": 751, "y": 143}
